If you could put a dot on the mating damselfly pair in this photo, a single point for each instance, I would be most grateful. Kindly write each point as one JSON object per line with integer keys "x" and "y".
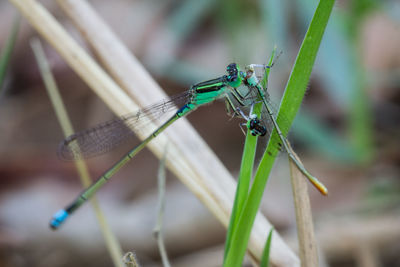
{"x": 240, "y": 90}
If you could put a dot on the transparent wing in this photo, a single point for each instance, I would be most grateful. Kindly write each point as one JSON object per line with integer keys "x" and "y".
{"x": 267, "y": 121}
{"x": 111, "y": 134}
{"x": 251, "y": 97}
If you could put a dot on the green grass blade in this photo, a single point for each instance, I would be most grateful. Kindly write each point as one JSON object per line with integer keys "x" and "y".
{"x": 7, "y": 50}
{"x": 243, "y": 185}
{"x": 264, "y": 82}
{"x": 290, "y": 104}
{"x": 267, "y": 249}
{"x": 246, "y": 169}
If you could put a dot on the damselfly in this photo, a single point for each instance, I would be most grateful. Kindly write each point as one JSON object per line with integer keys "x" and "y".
{"x": 106, "y": 136}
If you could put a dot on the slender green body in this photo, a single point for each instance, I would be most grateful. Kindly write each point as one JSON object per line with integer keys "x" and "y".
{"x": 90, "y": 191}
{"x": 200, "y": 94}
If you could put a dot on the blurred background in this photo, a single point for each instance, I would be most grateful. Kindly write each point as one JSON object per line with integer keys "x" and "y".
{"x": 346, "y": 133}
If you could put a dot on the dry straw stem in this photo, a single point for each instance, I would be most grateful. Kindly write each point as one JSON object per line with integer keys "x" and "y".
{"x": 62, "y": 116}
{"x": 305, "y": 230}
{"x": 158, "y": 231}
{"x": 190, "y": 159}
{"x": 367, "y": 255}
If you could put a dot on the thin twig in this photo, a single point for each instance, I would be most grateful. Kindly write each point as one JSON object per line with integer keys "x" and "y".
{"x": 367, "y": 255}
{"x": 62, "y": 116}
{"x": 307, "y": 245}
{"x": 161, "y": 207}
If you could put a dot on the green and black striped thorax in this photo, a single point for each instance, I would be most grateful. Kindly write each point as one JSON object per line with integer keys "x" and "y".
{"x": 232, "y": 79}
{"x": 208, "y": 91}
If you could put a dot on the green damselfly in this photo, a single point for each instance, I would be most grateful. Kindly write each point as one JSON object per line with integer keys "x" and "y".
{"x": 106, "y": 136}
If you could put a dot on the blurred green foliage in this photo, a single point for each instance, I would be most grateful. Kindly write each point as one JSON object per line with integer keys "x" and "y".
{"x": 7, "y": 50}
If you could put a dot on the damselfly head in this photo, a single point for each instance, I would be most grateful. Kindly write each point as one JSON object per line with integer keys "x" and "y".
{"x": 234, "y": 72}
{"x": 234, "y": 76}
{"x": 232, "y": 68}
{"x": 251, "y": 77}
{"x": 249, "y": 71}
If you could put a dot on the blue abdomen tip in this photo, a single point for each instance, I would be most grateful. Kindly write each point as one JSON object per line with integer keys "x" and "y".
{"x": 58, "y": 218}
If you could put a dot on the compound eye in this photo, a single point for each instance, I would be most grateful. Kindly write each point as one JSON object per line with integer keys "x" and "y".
{"x": 231, "y": 67}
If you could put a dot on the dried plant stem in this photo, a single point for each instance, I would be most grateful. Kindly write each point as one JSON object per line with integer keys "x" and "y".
{"x": 191, "y": 160}
{"x": 158, "y": 233}
{"x": 367, "y": 255}
{"x": 305, "y": 231}
{"x": 111, "y": 242}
